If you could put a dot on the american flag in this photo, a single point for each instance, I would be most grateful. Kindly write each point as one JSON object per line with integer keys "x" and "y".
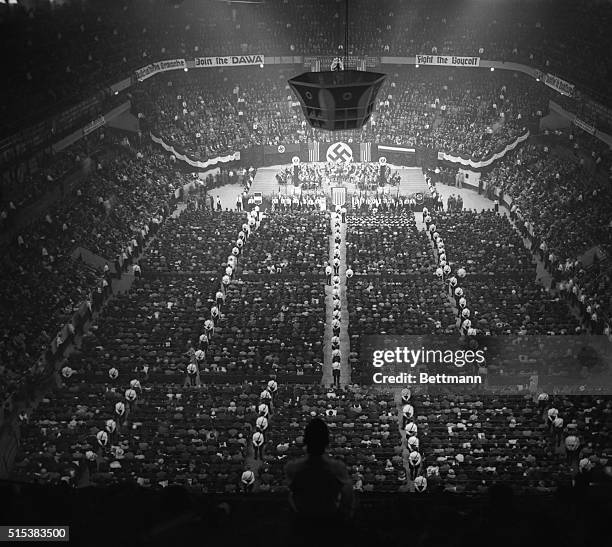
{"x": 365, "y": 151}
{"x": 313, "y": 151}
{"x": 339, "y": 195}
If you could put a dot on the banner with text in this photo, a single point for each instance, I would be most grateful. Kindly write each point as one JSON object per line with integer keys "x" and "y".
{"x": 558, "y": 84}
{"x": 230, "y": 60}
{"x": 447, "y": 60}
{"x": 590, "y": 129}
{"x": 162, "y": 66}
{"x": 93, "y": 125}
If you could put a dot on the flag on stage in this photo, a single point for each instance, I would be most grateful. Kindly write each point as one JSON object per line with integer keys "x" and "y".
{"x": 313, "y": 151}
{"x": 338, "y": 195}
{"x": 365, "y": 152}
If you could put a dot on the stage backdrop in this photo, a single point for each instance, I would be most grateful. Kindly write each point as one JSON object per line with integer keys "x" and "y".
{"x": 339, "y": 151}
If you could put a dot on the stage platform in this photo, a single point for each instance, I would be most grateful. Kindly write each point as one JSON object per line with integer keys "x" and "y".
{"x": 412, "y": 181}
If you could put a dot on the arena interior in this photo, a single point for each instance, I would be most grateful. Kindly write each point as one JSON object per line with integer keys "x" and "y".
{"x": 197, "y": 285}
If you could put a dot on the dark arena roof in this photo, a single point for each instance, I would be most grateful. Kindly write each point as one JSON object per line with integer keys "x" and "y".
{"x": 221, "y": 323}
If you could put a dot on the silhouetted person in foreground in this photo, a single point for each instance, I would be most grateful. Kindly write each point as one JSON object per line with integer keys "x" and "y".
{"x": 320, "y": 490}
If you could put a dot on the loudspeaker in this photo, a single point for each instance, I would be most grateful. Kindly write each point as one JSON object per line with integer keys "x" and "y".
{"x": 337, "y": 100}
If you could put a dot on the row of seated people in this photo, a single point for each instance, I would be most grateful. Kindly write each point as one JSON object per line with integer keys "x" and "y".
{"x": 431, "y": 107}
{"x": 387, "y": 244}
{"x": 467, "y": 441}
{"x": 113, "y": 41}
{"x": 289, "y": 243}
{"x": 394, "y": 290}
{"x": 500, "y": 285}
{"x": 264, "y": 327}
{"x": 363, "y": 433}
{"x": 201, "y": 437}
{"x": 197, "y": 241}
{"x": 265, "y": 323}
{"x": 168, "y": 432}
{"x": 110, "y": 213}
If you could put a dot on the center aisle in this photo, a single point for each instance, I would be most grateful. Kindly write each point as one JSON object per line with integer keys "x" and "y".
{"x": 345, "y": 346}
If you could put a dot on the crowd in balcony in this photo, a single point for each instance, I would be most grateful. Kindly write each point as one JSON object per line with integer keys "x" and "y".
{"x": 69, "y": 51}
{"x": 472, "y": 114}
{"x": 560, "y": 203}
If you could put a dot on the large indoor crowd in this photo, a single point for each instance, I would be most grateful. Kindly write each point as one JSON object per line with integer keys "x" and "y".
{"x": 68, "y": 51}
{"x": 468, "y": 113}
{"x": 189, "y": 344}
{"x": 111, "y": 212}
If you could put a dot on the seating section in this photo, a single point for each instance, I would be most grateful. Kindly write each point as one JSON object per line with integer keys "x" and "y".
{"x": 394, "y": 290}
{"x": 196, "y": 242}
{"x": 111, "y": 212}
{"x": 471, "y": 442}
{"x": 500, "y": 285}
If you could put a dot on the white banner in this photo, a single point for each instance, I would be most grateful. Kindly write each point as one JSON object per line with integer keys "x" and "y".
{"x": 161, "y": 66}
{"x": 395, "y": 148}
{"x": 230, "y": 60}
{"x": 590, "y": 129}
{"x": 198, "y": 164}
{"x": 563, "y": 87}
{"x": 480, "y": 164}
{"x": 447, "y": 60}
{"x": 93, "y": 125}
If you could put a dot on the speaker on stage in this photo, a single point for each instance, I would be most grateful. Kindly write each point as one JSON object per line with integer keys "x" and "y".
{"x": 337, "y": 100}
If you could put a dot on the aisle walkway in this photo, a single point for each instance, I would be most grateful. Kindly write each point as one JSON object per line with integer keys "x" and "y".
{"x": 345, "y": 346}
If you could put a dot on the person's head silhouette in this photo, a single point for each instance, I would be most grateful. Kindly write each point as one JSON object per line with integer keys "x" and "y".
{"x": 316, "y": 437}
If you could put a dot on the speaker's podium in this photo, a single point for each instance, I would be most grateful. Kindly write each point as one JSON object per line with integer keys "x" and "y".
{"x": 337, "y": 100}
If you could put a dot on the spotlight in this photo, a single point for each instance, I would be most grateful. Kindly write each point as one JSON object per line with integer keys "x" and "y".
{"x": 492, "y": 69}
